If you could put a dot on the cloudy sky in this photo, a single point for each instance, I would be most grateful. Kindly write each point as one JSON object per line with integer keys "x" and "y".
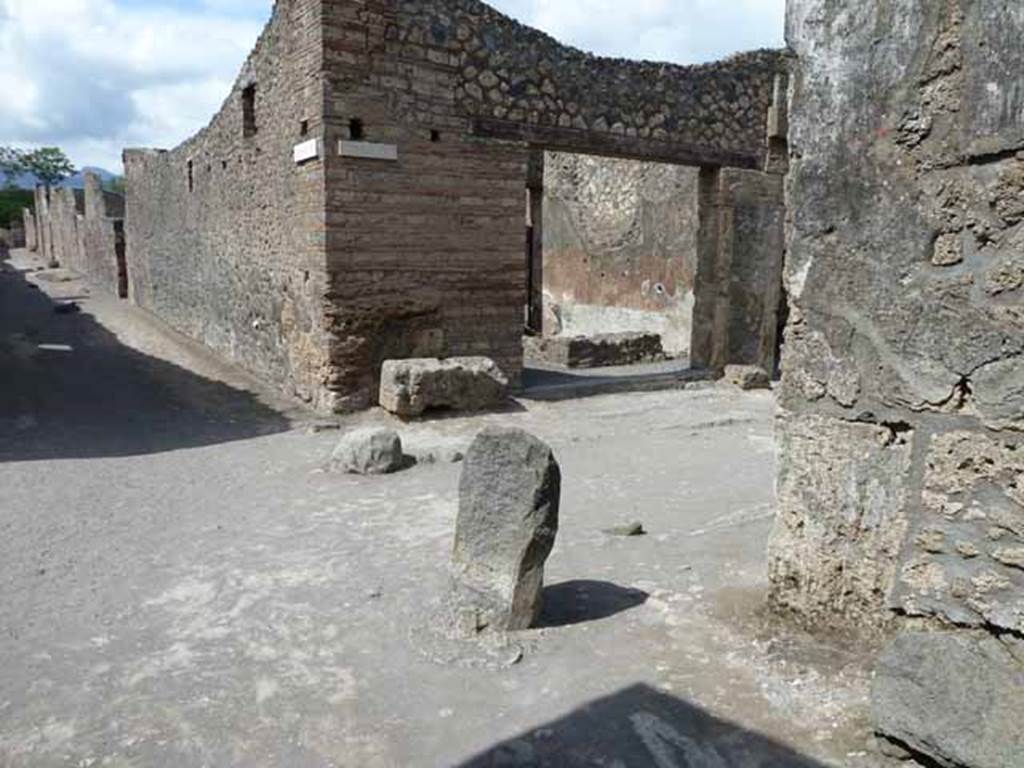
{"x": 93, "y": 76}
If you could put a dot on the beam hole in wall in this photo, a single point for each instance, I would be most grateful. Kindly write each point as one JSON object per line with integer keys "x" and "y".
{"x": 435, "y": 135}
{"x": 356, "y": 132}
{"x": 224, "y": 164}
{"x": 249, "y": 111}
{"x": 304, "y": 128}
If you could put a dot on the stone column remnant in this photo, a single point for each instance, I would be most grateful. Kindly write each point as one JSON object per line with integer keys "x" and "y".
{"x": 508, "y": 517}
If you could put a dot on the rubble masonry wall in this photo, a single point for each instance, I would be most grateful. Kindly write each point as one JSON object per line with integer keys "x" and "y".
{"x": 901, "y": 481}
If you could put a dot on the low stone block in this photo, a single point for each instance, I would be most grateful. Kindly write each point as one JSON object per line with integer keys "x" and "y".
{"x": 747, "y": 377}
{"x": 595, "y": 351}
{"x": 368, "y": 451}
{"x": 508, "y": 517}
{"x": 953, "y": 696}
{"x": 411, "y": 387}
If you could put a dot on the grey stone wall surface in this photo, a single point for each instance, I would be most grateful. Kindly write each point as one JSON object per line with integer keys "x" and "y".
{"x": 619, "y": 247}
{"x": 905, "y": 345}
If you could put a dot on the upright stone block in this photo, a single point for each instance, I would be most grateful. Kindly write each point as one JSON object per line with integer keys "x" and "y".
{"x": 508, "y": 517}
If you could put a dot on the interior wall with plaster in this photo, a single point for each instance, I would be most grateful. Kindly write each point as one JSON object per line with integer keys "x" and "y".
{"x": 619, "y": 247}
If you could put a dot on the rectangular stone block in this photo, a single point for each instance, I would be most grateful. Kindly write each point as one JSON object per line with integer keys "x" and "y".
{"x": 598, "y": 351}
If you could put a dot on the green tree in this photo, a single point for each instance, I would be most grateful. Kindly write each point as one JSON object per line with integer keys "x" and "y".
{"x": 12, "y": 165}
{"x": 49, "y": 164}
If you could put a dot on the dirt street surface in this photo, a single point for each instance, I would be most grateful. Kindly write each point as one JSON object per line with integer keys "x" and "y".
{"x": 183, "y": 583}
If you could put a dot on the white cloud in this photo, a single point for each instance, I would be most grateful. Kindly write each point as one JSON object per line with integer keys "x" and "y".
{"x": 682, "y": 31}
{"x": 94, "y": 76}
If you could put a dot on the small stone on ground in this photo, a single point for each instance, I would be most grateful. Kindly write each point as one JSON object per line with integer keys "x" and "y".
{"x": 369, "y": 451}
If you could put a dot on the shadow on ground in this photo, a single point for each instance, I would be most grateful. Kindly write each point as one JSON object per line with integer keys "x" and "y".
{"x": 641, "y": 727}
{"x": 576, "y": 602}
{"x": 70, "y": 389}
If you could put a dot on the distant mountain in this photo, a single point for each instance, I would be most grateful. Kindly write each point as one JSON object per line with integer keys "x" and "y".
{"x": 29, "y": 181}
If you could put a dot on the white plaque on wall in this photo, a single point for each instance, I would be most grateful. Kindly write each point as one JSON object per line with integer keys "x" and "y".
{"x": 307, "y": 150}
{"x": 368, "y": 150}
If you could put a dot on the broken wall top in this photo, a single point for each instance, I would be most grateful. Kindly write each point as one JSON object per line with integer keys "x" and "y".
{"x": 460, "y": 62}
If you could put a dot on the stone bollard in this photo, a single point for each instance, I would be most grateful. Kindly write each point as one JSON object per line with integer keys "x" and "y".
{"x": 508, "y": 517}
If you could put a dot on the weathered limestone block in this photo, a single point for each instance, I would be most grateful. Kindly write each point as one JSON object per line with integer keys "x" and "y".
{"x": 410, "y": 387}
{"x": 595, "y": 351}
{"x": 962, "y": 559}
{"x": 747, "y": 377}
{"x": 842, "y": 518}
{"x": 368, "y": 451}
{"x": 508, "y": 517}
{"x": 955, "y": 697}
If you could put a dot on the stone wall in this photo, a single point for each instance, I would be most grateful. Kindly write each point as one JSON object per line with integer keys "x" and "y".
{"x": 619, "y": 247}
{"x": 738, "y": 284}
{"x": 426, "y": 254}
{"x": 404, "y": 236}
{"x": 906, "y": 341}
{"x": 101, "y": 231}
{"x": 225, "y": 234}
{"x": 44, "y": 238}
{"x": 13, "y": 236}
{"x": 31, "y": 232}
{"x": 518, "y": 83}
{"x": 901, "y": 483}
{"x": 82, "y": 229}
{"x": 66, "y": 209}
